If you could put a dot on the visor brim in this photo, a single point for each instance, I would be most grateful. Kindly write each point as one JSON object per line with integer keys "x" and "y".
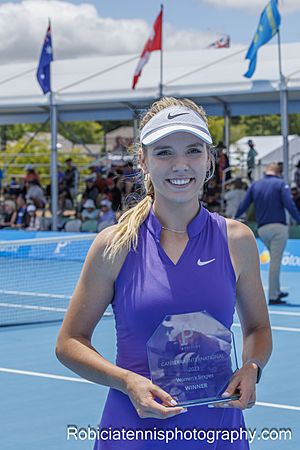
{"x": 155, "y": 136}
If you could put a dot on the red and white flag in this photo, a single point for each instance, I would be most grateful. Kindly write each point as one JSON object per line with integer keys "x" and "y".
{"x": 154, "y": 43}
{"x": 222, "y": 42}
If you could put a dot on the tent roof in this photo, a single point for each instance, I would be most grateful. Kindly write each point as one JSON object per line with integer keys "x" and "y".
{"x": 211, "y": 77}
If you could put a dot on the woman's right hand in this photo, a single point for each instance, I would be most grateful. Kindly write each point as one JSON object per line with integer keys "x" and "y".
{"x": 142, "y": 393}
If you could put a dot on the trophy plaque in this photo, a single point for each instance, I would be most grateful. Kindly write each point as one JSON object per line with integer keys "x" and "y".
{"x": 192, "y": 357}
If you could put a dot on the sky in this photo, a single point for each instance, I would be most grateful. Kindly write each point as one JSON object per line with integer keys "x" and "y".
{"x": 114, "y": 27}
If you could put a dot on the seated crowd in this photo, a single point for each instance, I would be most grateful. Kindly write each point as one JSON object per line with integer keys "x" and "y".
{"x": 26, "y": 204}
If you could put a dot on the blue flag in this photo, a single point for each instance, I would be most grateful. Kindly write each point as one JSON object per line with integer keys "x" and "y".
{"x": 267, "y": 28}
{"x": 43, "y": 71}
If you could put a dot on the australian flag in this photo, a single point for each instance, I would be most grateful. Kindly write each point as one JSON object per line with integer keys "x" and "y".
{"x": 43, "y": 71}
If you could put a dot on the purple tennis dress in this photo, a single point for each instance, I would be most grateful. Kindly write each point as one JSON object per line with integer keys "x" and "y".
{"x": 149, "y": 287}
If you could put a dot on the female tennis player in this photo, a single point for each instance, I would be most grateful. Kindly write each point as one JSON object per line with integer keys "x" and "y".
{"x": 168, "y": 255}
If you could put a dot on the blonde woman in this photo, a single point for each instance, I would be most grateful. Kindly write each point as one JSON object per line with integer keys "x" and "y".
{"x": 146, "y": 266}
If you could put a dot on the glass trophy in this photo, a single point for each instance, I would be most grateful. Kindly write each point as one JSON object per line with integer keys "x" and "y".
{"x": 192, "y": 357}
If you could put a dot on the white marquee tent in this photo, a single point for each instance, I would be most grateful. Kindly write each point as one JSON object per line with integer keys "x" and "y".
{"x": 100, "y": 88}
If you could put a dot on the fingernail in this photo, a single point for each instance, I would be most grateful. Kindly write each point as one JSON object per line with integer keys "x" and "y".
{"x": 225, "y": 394}
{"x": 173, "y": 402}
{"x": 225, "y": 405}
{"x": 183, "y": 411}
{"x": 211, "y": 406}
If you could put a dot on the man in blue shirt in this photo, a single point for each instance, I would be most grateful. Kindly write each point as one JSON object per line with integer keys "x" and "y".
{"x": 271, "y": 197}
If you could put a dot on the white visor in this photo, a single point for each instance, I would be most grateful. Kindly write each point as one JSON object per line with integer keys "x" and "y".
{"x": 173, "y": 120}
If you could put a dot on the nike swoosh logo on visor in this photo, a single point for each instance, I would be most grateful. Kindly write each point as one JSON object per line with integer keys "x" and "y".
{"x": 203, "y": 263}
{"x": 176, "y": 115}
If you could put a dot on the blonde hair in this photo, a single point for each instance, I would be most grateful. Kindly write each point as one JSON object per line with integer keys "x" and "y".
{"x": 126, "y": 234}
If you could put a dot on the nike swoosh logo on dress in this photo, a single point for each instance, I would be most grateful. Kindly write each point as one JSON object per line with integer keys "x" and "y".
{"x": 203, "y": 263}
{"x": 176, "y": 115}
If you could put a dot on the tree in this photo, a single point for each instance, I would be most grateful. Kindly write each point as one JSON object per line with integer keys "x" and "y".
{"x": 86, "y": 132}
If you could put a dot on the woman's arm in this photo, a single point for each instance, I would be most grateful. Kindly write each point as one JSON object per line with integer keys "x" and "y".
{"x": 251, "y": 302}
{"x": 252, "y": 311}
{"x": 92, "y": 295}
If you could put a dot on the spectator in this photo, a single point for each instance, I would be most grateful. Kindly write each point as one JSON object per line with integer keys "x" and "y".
{"x": 60, "y": 173}
{"x": 64, "y": 197}
{"x": 65, "y": 204}
{"x": 9, "y": 208}
{"x": 89, "y": 210}
{"x": 280, "y": 165}
{"x": 222, "y": 163}
{"x": 129, "y": 176}
{"x": 113, "y": 192}
{"x": 91, "y": 190}
{"x": 73, "y": 224}
{"x": 33, "y": 222}
{"x": 1, "y": 180}
{"x": 233, "y": 198}
{"x": 297, "y": 175}
{"x": 36, "y": 194}
{"x": 251, "y": 159}
{"x": 14, "y": 188}
{"x": 19, "y": 217}
{"x": 107, "y": 216}
{"x": 271, "y": 196}
{"x": 100, "y": 182}
{"x": 71, "y": 177}
{"x": 211, "y": 195}
{"x": 31, "y": 174}
{"x": 119, "y": 147}
{"x": 296, "y": 195}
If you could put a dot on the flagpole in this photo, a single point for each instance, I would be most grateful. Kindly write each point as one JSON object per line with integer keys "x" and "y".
{"x": 54, "y": 177}
{"x": 161, "y": 58}
{"x": 283, "y": 113}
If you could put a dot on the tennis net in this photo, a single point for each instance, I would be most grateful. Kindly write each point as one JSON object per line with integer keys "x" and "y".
{"x": 38, "y": 276}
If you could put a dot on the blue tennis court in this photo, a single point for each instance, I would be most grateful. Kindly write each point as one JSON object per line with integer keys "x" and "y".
{"x": 40, "y": 398}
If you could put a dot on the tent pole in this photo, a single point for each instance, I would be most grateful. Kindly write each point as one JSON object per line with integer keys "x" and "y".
{"x": 54, "y": 178}
{"x": 161, "y": 60}
{"x": 284, "y": 114}
{"x": 226, "y": 133}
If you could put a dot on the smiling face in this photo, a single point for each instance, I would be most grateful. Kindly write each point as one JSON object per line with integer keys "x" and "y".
{"x": 177, "y": 165}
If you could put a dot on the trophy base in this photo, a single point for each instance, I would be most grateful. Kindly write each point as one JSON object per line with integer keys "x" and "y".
{"x": 207, "y": 401}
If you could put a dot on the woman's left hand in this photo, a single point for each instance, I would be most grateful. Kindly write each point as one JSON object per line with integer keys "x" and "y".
{"x": 242, "y": 383}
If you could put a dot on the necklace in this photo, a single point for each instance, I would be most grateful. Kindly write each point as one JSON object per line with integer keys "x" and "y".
{"x": 174, "y": 231}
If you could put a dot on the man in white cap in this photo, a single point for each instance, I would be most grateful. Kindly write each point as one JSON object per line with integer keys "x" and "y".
{"x": 89, "y": 210}
{"x": 107, "y": 216}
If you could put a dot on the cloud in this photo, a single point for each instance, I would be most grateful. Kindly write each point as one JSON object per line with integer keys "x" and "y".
{"x": 79, "y": 31}
{"x": 187, "y": 39}
{"x": 286, "y": 6}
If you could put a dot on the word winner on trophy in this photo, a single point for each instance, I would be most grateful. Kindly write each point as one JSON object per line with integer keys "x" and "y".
{"x": 192, "y": 357}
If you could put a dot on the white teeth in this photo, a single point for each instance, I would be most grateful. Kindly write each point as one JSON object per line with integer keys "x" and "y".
{"x": 180, "y": 181}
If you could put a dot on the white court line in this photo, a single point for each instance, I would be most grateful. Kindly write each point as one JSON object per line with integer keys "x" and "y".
{"x": 282, "y": 287}
{"x": 38, "y": 308}
{"x": 44, "y": 375}
{"x": 41, "y": 308}
{"x": 278, "y": 405}
{"x": 35, "y": 294}
{"x": 284, "y": 313}
{"x": 297, "y": 330}
{"x": 81, "y": 380}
